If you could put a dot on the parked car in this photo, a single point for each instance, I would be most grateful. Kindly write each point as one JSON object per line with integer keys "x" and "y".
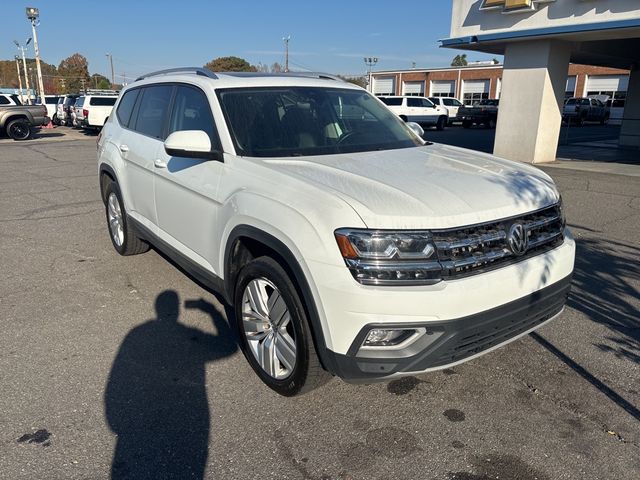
{"x": 51, "y": 102}
{"x": 9, "y": 99}
{"x": 96, "y": 108}
{"x": 76, "y": 112}
{"x": 344, "y": 243}
{"x": 65, "y": 106}
{"x": 580, "y": 110}
{"x": 417, "y": 109}
{"x": 18, "y": 121}
{"x": 485, "y": 112}
{"x": 450, "y": 104}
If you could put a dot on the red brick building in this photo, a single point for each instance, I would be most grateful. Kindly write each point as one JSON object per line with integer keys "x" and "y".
{"x": 475, "y": 82}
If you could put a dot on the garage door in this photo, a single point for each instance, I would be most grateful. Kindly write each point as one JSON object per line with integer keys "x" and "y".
{"x": 443, "y": 88}
{"x": 608, "y": 83}
{"x": 384, "y": 85}
{"x": 615, "y": 87}
{"x": 474, "y": 91}
{"x": 414, "y": 88}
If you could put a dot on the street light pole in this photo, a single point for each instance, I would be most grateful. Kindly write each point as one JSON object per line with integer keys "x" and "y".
{"x": 286, "y": 52}
{"x": 24, "y": 66}
{"x": 113, "y": 77}
{"x": 32, "y": 15}
{"x": 370, "y": 62}
{"x": 19, "y": 79}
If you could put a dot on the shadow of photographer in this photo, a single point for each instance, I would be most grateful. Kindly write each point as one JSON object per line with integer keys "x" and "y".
{"x": 156, "y": 399}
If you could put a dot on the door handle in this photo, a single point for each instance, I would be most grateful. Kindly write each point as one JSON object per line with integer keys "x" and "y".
{"x": 159, "y": 163}
{"x": 124, "y": 148}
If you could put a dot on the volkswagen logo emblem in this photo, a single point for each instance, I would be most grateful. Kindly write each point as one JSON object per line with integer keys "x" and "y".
{"x": 518, "y": 240}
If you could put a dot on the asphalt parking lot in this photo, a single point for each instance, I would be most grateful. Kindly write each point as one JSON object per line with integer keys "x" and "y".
{"x": 125, "y": 367}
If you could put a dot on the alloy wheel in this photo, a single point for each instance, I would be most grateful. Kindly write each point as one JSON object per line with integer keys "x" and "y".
{"x": 268, "y": 328}
{"x": 114, "y": 213}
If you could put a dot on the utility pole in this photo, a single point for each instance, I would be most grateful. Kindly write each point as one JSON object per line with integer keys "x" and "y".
{"x": 19, "y": 79}
{"x": 32, "y": 15}
{"x": 370, "y": 62}
{"x": 286, "y": 52}
{"x": 113, "y": 77}
{"x": 24, "y": 65}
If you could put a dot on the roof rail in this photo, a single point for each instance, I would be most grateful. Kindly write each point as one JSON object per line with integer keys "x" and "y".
{"x": 322, "y": 76}
{"x": 197, "y": 70}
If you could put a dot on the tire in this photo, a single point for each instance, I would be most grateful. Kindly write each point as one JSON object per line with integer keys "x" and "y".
{"x": 19, "y": 129}
{"x": 123, "y": 237}
{"x": 291, "y": 366}
{"x": 581, "y": 120}
{"x": 466, "y": 124}
{"x": 491, "y": 123}
{"x": 604, "y": 120}
{"x": 441, "y": 123}
{"x": 54, "y": 120}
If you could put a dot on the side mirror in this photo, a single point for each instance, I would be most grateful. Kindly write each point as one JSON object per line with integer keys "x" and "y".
{"x": 191, "y": 144}
{"x": 417, "y": 129}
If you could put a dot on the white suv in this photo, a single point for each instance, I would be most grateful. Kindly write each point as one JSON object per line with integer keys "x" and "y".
{"x": 417, "y": 109}
{"x": 96, "y": 108}
{"x": 344, "y": 242}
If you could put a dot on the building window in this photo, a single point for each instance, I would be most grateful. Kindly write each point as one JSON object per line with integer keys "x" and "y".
{"x": 616, "y": 99}
{"x": 472, "y": 98}
{"x": 444, "y": 94}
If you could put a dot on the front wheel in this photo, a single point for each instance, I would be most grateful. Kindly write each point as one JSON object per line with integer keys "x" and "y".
{"x": 442, "y": 122}
{"x": 19, "y": 129}
{"x": 273, "y": 329}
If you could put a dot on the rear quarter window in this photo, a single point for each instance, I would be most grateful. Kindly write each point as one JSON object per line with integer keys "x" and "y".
{"x": 103, "y": 101}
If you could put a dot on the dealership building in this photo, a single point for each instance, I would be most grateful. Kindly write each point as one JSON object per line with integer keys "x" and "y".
{"x": 551, "y": 48}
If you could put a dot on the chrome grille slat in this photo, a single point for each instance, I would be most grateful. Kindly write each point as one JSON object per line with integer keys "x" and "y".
{"x": 478, "y": 248}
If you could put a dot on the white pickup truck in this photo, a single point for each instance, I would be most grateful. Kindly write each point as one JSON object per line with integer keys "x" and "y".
{"x": 417, "y": 109}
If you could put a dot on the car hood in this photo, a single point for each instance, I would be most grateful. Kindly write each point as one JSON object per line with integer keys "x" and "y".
{"x": 435, "y": 186}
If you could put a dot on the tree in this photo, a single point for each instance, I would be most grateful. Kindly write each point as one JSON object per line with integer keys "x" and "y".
{"x": 459, "y": 60}
{"x": 496, "y": 61}
{"x": 100, "y": 81}
{"x": 230, "y": 64}
{"x": 360, "y": 81}
{"x": 75, "y": 72}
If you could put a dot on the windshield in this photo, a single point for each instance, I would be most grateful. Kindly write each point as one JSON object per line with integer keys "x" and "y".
{"x": 301, "y": 121}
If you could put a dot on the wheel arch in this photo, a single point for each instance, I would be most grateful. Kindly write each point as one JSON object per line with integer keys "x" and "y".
{"x": 106, "y": 173}
{"x": 246, "y": 242}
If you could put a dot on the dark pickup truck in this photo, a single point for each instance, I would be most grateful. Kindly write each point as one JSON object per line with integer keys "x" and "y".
{"x": 580, "y": 110}
{"x": 484, "y": 113}
{"x": 18, "y": 121}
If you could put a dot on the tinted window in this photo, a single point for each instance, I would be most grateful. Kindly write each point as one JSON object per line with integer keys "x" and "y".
{"x": 125, "y": 107}
{"x": 392, "y": 101}
{"x": 80, "y": 102}
{"x": 51, "y": 100}
{"x": 191, "y": 112}
{"x": 427, "y": 103}
{"x": 153, "y": 110}
{"x": 16, "y": 99}
{"x": 571, "y": 101}
{"x": 584, "y": 101}
{"x": 449, "y": 102}
{"x": 414, "y": 102}
{"x": 4, "y": 100}
{"x": 70, "y": 101}
{"x": 103, "y": 101}
{"x": 435, "y": 100}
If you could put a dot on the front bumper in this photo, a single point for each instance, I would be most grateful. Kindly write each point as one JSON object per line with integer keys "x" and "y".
{"x": 450, "y": 342}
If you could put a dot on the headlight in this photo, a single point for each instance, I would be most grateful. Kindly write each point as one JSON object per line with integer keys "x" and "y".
{"x": 382, "y": 257}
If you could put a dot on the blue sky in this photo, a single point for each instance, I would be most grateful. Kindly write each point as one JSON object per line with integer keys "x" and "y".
{"x": 143, "y": 35}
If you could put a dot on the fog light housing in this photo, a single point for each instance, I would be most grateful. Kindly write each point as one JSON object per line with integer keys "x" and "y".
{"x": 387, "y": 337}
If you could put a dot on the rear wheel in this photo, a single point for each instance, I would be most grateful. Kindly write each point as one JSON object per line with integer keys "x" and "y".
{"x": 19, "y": 129}
{"x": 273, "y": 329}
{"x": 123, "y": 237}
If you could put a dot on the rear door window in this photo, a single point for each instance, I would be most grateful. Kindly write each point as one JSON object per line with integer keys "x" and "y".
{"x": 414, "y": 102}
{"x": 153, "y": 110}
{"x": 394, "y": 102}
{"x": 4, "y": 100}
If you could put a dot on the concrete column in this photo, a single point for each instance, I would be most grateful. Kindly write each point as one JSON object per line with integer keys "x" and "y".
{"x": 530, "y": 113}
{"x": 630, "y": 131}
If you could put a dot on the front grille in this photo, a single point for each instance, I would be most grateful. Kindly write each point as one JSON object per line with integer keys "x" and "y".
{"x": 478, "y": 248}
